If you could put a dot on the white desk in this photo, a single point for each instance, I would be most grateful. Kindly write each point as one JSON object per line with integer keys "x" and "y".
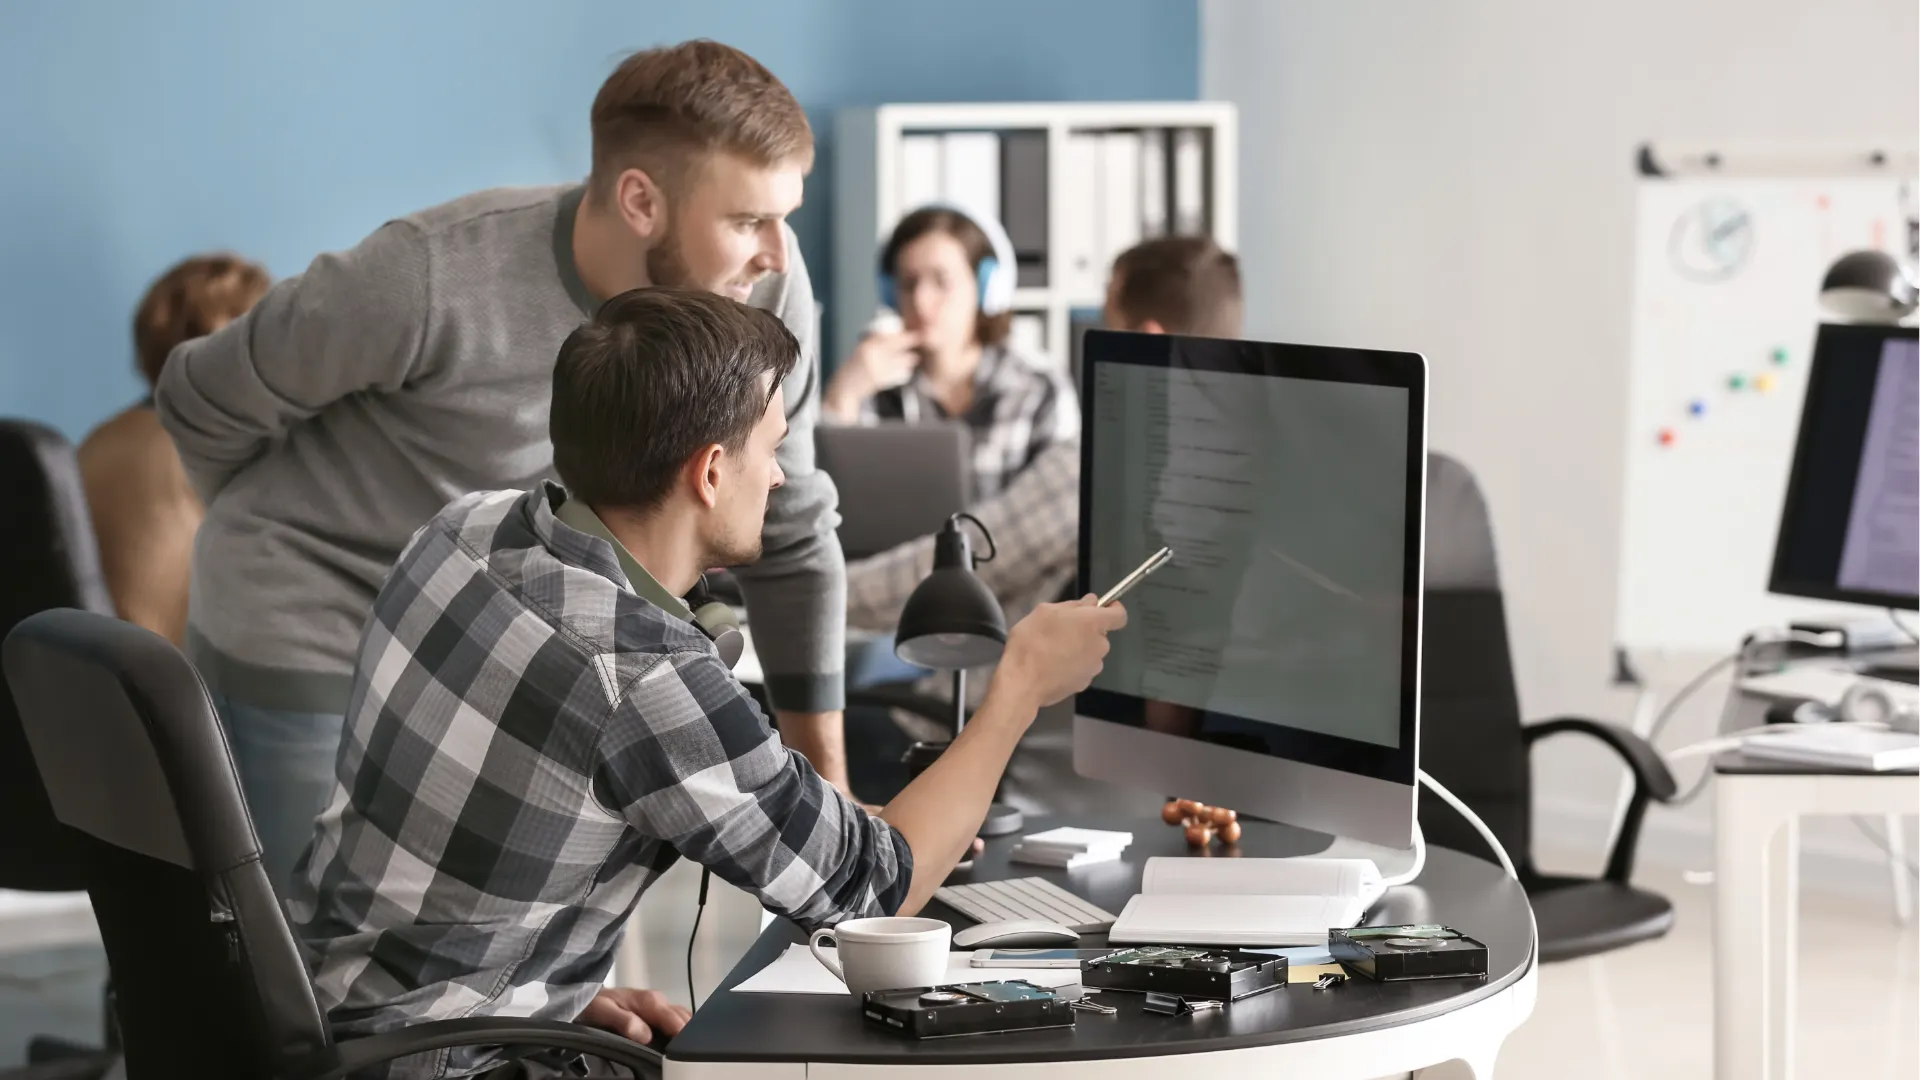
{"x": 1756, "y": 882}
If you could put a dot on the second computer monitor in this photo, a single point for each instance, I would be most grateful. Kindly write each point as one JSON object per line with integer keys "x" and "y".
{"x": 1274, "y": 666}
{"x": 1850, "y": 527}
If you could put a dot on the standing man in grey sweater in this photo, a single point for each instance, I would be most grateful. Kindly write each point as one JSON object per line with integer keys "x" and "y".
{"x": 359, "y": 398}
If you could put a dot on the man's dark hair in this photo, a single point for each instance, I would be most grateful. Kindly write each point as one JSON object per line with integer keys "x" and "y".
{"x": 657, "y": 375}
{"x": 1187, "y": 284}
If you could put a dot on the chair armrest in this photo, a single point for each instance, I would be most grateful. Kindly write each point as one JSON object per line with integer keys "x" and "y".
{"x": 1649, "y": 768}
{"x": 903, "y": 696}
{"x": 1651, "y": 780}
{"x": 345, "y": 1058}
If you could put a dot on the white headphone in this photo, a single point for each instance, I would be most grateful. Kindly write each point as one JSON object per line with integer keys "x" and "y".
{"x": 997, "y": 272}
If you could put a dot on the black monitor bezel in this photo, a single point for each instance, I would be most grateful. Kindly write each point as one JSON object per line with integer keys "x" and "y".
{"x": 1401, "y": 370}
{"x": 1831, "y": 342}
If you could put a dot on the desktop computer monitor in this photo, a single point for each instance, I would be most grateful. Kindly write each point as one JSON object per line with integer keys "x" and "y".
{"x": 1274, "y": 665}
{"x": 1850, "y": 525}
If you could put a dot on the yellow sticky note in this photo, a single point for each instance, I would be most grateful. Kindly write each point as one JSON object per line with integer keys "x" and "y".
{"x": 1306, "y": 973}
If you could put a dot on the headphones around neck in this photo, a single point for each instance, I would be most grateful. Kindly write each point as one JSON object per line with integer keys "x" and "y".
{"x": 717, "y": 620}
{"x": 995, "y": 276}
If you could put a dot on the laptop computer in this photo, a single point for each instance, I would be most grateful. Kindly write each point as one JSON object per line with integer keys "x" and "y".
{"x": 897, "y": 481}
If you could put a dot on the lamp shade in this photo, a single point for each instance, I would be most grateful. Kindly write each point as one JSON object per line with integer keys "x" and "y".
{"x": 952, "y": 621}
{"x": 1868, "y": 286}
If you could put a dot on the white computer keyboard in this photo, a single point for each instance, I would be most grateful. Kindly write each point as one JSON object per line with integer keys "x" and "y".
{"x": 1827, "y": 685}
{"x": 1024, "y": 898}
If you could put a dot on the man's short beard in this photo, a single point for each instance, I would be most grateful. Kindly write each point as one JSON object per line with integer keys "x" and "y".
{"x": 667, "y": 264}
{"x": 746, "y": 552}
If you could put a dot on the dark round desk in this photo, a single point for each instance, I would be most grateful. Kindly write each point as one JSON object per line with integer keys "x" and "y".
{"x": 1360, "y": 1029}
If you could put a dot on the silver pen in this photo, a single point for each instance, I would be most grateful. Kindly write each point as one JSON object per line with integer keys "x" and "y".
{"x": 1154, "y": 562}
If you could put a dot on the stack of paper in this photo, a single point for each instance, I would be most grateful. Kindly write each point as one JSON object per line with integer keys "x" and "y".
{"x": 1068, "y": 848}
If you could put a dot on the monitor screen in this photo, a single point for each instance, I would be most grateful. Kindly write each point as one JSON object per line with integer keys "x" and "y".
{"x": 1850, "y": 527}
{"x": 1288, "y": 482}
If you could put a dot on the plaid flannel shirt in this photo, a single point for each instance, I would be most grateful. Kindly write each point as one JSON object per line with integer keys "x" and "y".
{"x": 1035, "y": 522}
{"x": 529, "y": 746}
{"x": 1022, "y": 404}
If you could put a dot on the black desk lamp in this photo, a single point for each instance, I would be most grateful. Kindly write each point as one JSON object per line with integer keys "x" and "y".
{"x": 953, "y": 622}
{"x": 1868, "y": 286}
{"x": 1874, "y": 286}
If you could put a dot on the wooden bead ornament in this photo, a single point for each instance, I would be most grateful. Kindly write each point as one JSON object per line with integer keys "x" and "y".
{"x": 1202, "y": 822}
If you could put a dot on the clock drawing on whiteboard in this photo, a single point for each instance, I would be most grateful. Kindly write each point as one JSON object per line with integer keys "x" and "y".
{"x": 1711, "y": 240}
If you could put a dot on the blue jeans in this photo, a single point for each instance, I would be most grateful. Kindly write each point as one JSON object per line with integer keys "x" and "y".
{"x": 286, "y": 765}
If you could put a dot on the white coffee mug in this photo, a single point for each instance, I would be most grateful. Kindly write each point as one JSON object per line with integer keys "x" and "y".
{"x": 885, "y": 954}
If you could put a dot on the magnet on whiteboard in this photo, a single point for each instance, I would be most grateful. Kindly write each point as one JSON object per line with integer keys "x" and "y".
{"x": 1697, "y": 408}
{"x": 1666, "y": 436}
{"x": 1763, "y": 383}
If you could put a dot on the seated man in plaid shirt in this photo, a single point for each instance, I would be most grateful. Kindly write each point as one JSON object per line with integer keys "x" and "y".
{"x": 538, "y": 729}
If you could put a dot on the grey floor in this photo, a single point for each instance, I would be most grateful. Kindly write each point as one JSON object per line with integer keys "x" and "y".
{"x": 1643, "y": 1013}
{"x": 49, "y": 992}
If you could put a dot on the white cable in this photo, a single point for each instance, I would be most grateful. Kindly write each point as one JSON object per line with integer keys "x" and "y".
{"x": 1734, "y": 740}
{"x": 1473, "y": 819}
{"x": 1419, "y": 861}
{"x": 1738, "y": 658}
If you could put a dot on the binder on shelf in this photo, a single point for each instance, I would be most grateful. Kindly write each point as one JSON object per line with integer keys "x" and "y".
{"x": 1154, "y": 206}
{"x": 1189, "y": 181}
{"x": 1120, "y": 213}
{"x": 1079, "y": 321}
{"x": 1079, "y": 264}
{"x": 920, "y": 172}
{"x": 1023, "y": 202}
{"x": 970, "y": 171}
{"x": 1030, "y": 333}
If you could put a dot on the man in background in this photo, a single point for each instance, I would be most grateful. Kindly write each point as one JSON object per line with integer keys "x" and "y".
{"x": 144, "y": 511}
{"x": 1168, "y": 285}
{"x": 362, "y": 396}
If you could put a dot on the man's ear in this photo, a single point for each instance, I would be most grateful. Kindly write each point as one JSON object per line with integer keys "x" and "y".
{"x": 703, "y": 474}
{"x": 641, "y": 203}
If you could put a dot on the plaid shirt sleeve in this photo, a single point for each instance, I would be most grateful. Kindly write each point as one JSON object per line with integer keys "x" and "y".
{"x": 1035, "y": 522}
{"x": 689, "y": 758}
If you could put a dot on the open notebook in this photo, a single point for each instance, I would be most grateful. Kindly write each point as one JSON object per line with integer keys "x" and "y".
{"x": 1246, "y": 901}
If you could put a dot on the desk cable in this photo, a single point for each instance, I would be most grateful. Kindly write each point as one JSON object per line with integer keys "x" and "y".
{"x": 693, "y": 999}
{"x": 1738, "y": 657}
{"x": 1473, "y": 819}
{"x": 1499, "y": 850}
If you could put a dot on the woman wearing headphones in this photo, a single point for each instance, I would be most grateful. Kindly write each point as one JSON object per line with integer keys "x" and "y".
{"x": 950, "y": 275}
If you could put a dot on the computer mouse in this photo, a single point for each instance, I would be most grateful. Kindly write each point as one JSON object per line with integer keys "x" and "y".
{"x": 1014, "y": 934}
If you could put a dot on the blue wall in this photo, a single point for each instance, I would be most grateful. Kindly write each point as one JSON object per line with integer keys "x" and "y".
{"x": 134, "y": 134}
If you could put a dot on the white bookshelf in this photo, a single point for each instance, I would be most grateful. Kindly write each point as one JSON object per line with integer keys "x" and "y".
{"x": 868, "y": 198}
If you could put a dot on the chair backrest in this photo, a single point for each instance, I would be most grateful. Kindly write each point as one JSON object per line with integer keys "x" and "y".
{"x": 1470, "y": 736}
{"x": 51, "y": 560}
{"x": 207, "y": 977}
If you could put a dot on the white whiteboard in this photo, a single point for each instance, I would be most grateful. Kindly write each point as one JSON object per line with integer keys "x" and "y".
{"x": 1725, "y": 304}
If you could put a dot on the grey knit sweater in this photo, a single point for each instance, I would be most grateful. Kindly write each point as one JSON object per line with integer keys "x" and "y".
{"x": 359, "y": 398}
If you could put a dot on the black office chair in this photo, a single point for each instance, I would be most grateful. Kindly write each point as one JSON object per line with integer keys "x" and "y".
{"x": 209, "y": 980}
{"x": 52, "y": 562}
{"x": 51, "y": 559}
{"x": 1473, "y": 741}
